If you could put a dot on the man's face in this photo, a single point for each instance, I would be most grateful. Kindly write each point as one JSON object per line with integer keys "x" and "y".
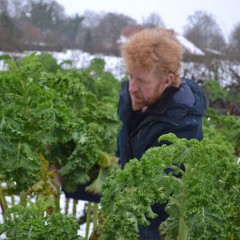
{"x": 145, "y": 88}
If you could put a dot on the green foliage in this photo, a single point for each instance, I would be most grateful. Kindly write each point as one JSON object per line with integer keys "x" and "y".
{"x": 5, "y": 57}
{"x": 52, "y": 117}
{"x": 214, "y": 91}
{"x": 19, "y": 122}
{"x": 57, "y": 116}
{"x": 202, "y": 204}
{"x": 106, "y": 85}
{"x": 223, "y": 129}
{"x": 33, "y": 222}
{"x": 224, "y": 100}
{"x": 49, "y": 63}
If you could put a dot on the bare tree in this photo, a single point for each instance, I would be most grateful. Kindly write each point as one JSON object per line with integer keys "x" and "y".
{"x": 153, "y": 20}
{"x": 70, "y": 29}
{"x": 46, "y": 15}
{"x": 203, "y": 30}
{"x": 3, "y": 7}
{"x": 10, "y": 35}
{"x": 84, "y": 37}
{"x": 108, "y": 31}
{"x": 18, "y": 8}
{"x": 235, "y": 42}
{"x": 43, "y": 17}
{"x": 92, "y": 19}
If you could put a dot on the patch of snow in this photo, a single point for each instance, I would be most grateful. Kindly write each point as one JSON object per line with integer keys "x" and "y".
{"x": 189, "y": 46}
{"x": 192, "y": 70}
{"x": 215, "y": 52}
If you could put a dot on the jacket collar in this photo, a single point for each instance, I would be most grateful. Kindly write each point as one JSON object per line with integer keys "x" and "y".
{"x": 157, "y": 108}
{"x": 160, "y": 106}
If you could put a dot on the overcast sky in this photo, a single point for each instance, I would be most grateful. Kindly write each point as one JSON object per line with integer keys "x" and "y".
{"x": 174, "y": 13}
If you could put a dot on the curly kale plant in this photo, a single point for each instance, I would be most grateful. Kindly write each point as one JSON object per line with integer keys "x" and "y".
{"x": 53, "y": 114}
{"x": 202, "y": 204}
{"x": 34, "y": 223}
{"x": 223, "y": 128}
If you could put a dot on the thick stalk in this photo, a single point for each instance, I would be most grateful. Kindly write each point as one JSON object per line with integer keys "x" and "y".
{"x": 57, "y": 199}
{"x": 66, "y": 206}
{"x": 13, "y": 204}
{"x": 95, "y": 215}
{"x": 23, "y": 198}
{"x": 183, "y": 232}
{"x": 88, "y": 219}
{"x": 74, "y": 212}
{"x": 3, "y": 201}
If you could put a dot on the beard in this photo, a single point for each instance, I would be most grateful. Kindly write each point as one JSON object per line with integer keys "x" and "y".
{"x": 139, "y": 103}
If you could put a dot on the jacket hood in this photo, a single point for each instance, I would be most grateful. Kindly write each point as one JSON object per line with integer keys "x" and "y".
{"x": 189, "y": 98}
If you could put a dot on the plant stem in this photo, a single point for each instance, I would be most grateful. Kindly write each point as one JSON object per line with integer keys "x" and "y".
{"x": 66, "y": 206}
{"x": 13, "y": 204}
{"x": 75, "y": 202}
{"x": 3, "y": 201}
{"x": 88, "y": 219}
{"x": 95, "y": 215}
{"x": 23, "y": 198}
{"x": 182, "y": 235}
{"x": 57, "y": 199}
{"x": 183, "y": 231}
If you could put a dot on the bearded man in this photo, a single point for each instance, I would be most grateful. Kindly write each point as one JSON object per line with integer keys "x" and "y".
{"x": 156, "y": 101}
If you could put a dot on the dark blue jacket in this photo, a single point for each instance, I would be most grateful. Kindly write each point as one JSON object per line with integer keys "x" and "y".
{"x": 179, "y": 111}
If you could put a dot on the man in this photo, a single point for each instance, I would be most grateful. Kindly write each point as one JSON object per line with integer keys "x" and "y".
{"x": 155, "y": 101}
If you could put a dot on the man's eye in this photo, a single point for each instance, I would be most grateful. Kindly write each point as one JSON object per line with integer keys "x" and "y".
{"x": 130, "y": 77}
{"x": 139, "y": 80}
{"x": 143, "y": 81}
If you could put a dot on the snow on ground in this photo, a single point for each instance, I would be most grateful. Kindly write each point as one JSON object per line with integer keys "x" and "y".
{"x": 114, "y": 65}
{"x": 79, "y": 60}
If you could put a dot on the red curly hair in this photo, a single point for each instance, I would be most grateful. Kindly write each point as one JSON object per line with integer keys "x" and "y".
{"x": 156, "y": 50}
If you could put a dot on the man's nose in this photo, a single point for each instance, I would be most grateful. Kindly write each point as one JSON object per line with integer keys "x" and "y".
{"x": 133, "y": 86}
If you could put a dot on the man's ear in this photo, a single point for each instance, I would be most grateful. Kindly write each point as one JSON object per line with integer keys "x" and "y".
{"x": 169, "y": 80}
